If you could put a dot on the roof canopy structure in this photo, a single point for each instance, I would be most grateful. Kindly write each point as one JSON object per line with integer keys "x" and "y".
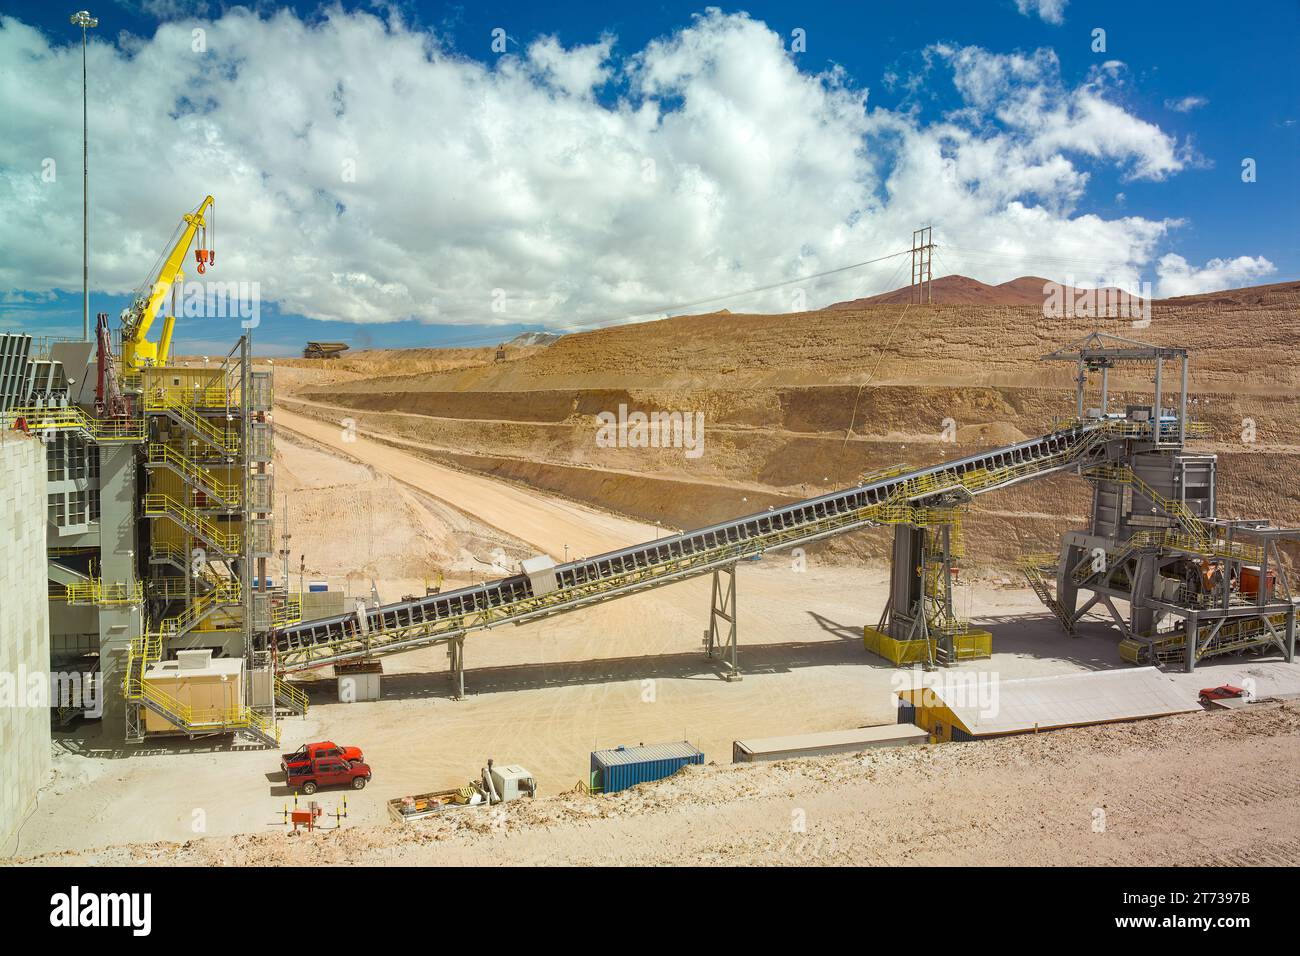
{"x": 1065, "y": 700}
{"x": 1101, "y": 349}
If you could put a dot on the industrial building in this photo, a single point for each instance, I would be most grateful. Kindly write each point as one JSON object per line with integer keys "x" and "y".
{"x": 158, "y": 507}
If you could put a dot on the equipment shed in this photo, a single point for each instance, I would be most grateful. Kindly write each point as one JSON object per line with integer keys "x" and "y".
{"x": 1042, "y": 703}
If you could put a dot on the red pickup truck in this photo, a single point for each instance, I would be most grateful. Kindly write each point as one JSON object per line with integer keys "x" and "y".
{"x": 328, "y": 772}
{"x": 305, "y": 754}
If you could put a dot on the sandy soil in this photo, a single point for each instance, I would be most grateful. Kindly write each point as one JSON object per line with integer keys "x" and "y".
{"x": 795, "y": 404}
{"x": 1221, "y": 787}
{"x": 546, "y": 693}
{"x": 462, "y": 465}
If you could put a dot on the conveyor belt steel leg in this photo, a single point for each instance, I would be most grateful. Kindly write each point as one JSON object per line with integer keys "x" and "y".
{"x": 724, "y": 608}
{"x": 456, "y": 652}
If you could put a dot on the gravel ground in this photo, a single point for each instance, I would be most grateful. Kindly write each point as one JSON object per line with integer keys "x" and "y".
{"x": 1219, "y": 786}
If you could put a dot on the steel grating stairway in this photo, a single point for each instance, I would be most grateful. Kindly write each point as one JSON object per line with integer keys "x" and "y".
{"x": 893, "y": 497}
{"x": 1037, "y": 568}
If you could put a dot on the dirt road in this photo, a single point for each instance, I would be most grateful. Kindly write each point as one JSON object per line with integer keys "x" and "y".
{"x": 546, "y": 522}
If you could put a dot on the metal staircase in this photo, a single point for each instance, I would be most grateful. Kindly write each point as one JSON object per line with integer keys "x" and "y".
{"x": 1198, "y": 534}
{"x": 203, "y": 493}
{"x": 290, "y": 699}
{"x": 160, "y": 505}
{"x": 177, "y": 406}
{"x": 1035, "y": 568}
{"x": 223, "y": 594}
{"x": 194, "y": 475}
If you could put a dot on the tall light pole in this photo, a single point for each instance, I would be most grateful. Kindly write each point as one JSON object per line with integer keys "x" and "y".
{"x": 83, "y": 19}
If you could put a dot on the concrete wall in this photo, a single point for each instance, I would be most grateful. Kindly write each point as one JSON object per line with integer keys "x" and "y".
{"x": 118, "y": 626}
{"x": 24, "y": 631}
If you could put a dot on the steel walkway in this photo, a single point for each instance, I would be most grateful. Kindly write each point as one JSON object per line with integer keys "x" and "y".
{"x": 892, "y": 497}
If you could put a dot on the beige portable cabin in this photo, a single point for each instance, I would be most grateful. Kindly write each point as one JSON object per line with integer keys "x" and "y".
{"x": 210, "y": 687}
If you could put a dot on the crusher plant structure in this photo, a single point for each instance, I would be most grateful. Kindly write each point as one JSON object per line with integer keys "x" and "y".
{"x": 1155, "y": 542}
{"x": 159, "y": 519}
{"x": 1193, "y": 584}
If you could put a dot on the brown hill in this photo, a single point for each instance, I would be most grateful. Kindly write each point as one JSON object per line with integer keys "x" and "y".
{"x": 812, "y": 399}
{"x": 1246, "y": 297}
{"x": 963, "y": 290}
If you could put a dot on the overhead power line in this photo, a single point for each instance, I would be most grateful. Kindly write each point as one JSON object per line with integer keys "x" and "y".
{"x": 608, "y": 320}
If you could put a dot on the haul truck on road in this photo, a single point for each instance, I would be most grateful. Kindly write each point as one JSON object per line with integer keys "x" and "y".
{"x": 324, "y": 350}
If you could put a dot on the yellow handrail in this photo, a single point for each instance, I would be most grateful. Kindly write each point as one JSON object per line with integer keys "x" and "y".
{"x": 288, "y": 612}
{"x": 225, "y": 592}
{"x": 1175, "y": 509}
{"x": 159, "y": 505}
{"x": 95, "y": 591}
{"x": 296, "y": 697}
{"x": 72, "y": 418}
{"x": 163, "y": 400}
{"x": 195, "y": 473}
{"x": 138, "y": 688}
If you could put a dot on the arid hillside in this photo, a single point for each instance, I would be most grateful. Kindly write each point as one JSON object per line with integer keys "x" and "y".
{"x": 794, "y": 404}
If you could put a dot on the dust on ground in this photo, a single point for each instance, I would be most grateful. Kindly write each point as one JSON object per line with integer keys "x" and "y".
{"x": 1180, "y": 791}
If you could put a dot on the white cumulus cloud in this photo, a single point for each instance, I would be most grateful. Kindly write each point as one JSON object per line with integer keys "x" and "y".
{"x": 1180, "y": 277}
{"x": 1186, "y": 104}
{"x": 1053, "y": 11}
{"x": 364, "y": 171}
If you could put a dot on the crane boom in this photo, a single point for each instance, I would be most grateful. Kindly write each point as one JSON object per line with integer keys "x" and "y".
{"x": 137, "y": 351}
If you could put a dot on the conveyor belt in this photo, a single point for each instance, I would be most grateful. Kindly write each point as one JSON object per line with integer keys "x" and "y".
{"x": 892, "y": 499}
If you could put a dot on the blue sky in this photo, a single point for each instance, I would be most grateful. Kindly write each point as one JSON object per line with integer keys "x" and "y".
{"x": 617, "y": 160}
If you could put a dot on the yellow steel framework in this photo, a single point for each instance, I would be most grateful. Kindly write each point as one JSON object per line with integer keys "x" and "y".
{"x": 94, "y": 591}
{"x": 158, "y": 505}
{"x": 105, "y": 431}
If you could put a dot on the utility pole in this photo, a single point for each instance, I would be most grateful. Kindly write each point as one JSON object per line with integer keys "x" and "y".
{"x": 922, "y": 256}
{"x": 83, "y": 19}
{"x": 284, "y": 548}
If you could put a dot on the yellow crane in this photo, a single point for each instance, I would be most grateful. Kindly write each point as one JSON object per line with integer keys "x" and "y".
{"x": 137, "y": 351}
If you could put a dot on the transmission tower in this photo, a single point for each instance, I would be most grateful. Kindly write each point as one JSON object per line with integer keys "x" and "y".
{"x": 922, "y": 277}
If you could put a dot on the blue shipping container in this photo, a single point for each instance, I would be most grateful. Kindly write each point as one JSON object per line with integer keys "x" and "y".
{"x": 623, "y": 767}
